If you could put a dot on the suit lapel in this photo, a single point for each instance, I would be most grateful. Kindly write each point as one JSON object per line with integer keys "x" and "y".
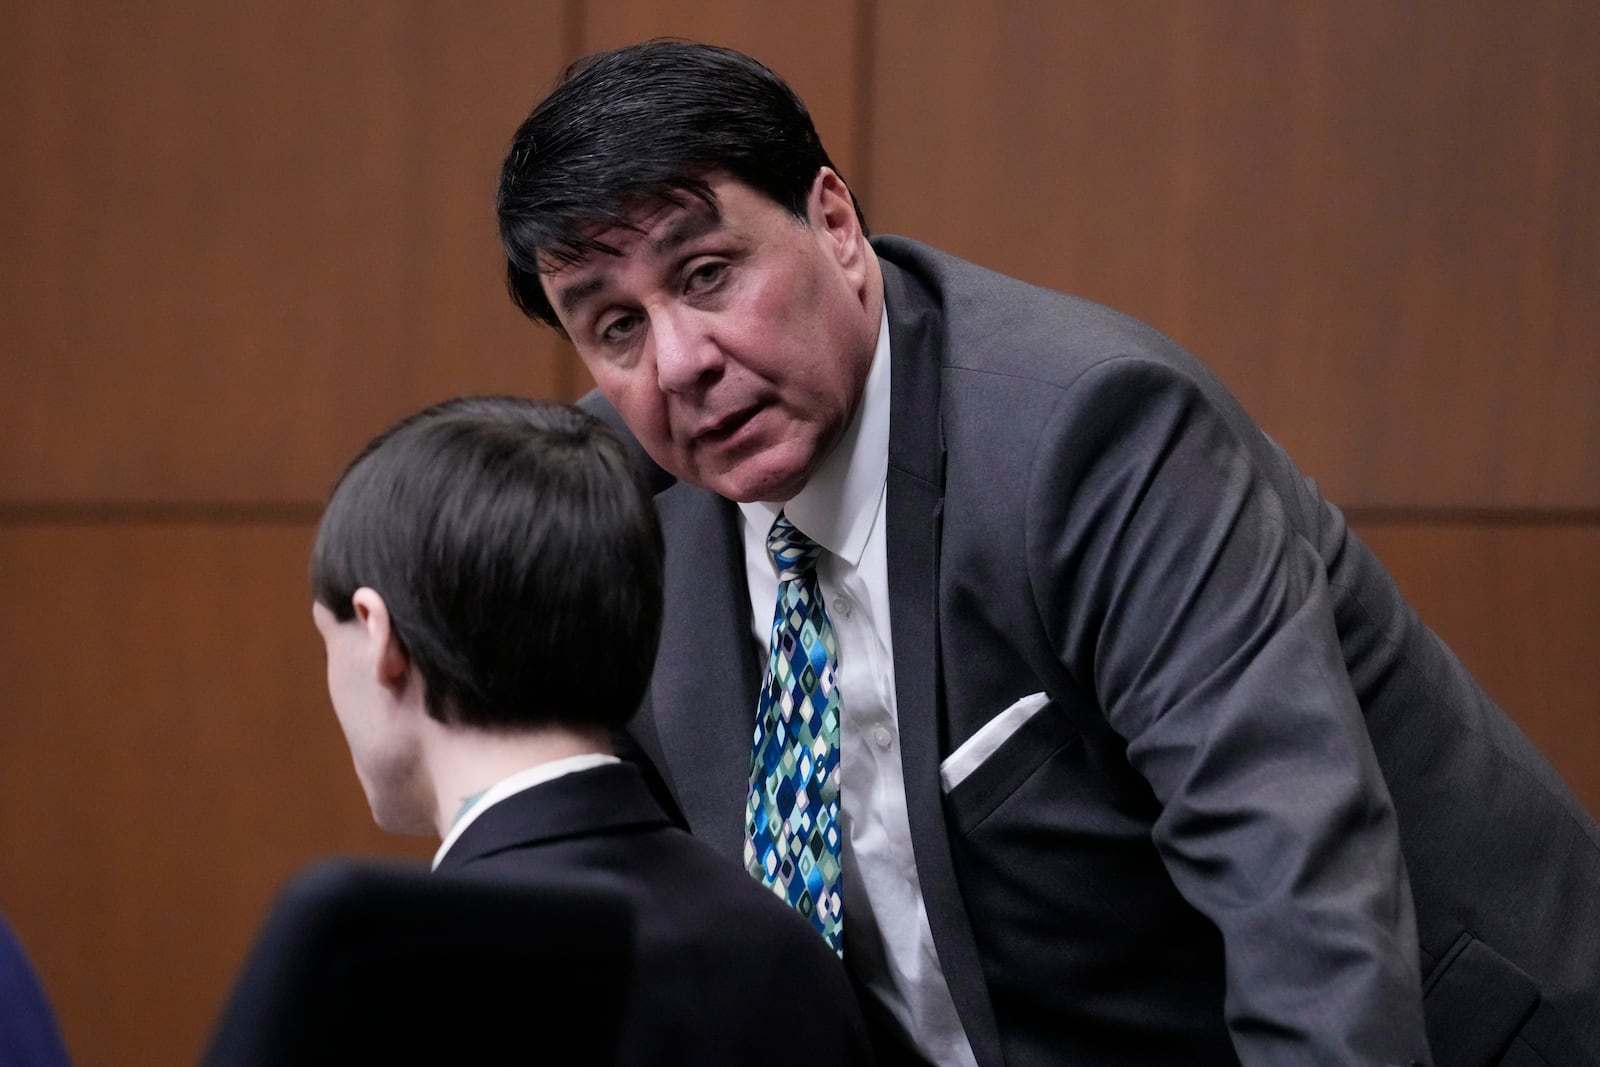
{"x": 707, "y": 671}
{"x": 915, "y": 508}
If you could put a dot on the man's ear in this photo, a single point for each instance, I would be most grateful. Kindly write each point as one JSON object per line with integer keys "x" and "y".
{"x": 832, "y": 212}
{"x": 385, "y": 652}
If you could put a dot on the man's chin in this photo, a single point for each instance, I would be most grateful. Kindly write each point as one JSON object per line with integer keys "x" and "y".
{"x": 750, "y": 482}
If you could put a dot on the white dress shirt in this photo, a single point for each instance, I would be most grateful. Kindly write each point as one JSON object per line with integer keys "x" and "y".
{"x": 886, "y": 930}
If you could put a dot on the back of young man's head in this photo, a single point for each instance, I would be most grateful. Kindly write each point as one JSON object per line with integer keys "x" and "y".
{"x": 518, "y": 554}
{"x": 639, "y": 125}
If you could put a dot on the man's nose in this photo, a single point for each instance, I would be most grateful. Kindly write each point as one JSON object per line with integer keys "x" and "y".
{"x": 686, "y": 353}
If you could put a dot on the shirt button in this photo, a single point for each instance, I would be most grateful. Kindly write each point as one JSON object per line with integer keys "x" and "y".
{"x": 882, "y": 737}
{"x": 843, "y": 605}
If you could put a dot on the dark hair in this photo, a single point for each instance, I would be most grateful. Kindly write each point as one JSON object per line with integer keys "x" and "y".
{"x": 519, "y": 555}
{"x": 638, "y": 125}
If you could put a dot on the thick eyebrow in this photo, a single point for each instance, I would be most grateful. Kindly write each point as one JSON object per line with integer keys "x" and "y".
{"x": 688, "y": 228}
{"x": 685, "y": 229}
{"x": 577, "y": 294}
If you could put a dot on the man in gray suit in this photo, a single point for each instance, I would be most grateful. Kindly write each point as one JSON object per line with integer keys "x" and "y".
{"x": 1143, "y": 758}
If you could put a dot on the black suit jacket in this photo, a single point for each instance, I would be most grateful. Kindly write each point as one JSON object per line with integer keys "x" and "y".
{"x": 725, "y": 972}
{"x": 1189, "y": 854}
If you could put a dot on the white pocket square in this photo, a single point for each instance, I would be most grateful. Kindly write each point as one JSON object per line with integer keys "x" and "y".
{"x": 983, "y": 744}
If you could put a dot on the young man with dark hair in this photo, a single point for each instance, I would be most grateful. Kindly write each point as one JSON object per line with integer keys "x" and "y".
{"x": 1139, "y": 754}
{"x": 487, "y": 580}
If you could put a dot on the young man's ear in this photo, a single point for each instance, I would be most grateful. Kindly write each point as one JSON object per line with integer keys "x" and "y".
{"x": 385, "y": 652}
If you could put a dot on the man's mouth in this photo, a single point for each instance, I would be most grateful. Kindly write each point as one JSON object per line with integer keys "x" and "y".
{"x": 723, "y": 429}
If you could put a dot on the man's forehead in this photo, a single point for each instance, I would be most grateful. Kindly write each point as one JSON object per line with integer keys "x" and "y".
{"x": 658, "y": 225}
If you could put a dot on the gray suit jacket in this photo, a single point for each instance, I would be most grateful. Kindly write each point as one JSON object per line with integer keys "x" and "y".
{"x": 1190, "y": 850}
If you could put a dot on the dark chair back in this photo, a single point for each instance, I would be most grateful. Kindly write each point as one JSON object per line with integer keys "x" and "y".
{"x": 363, "y": 962}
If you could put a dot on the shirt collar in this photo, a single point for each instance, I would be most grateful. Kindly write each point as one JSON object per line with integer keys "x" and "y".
{"x": 840, "y": 502}
{"x": 512, "y": 785}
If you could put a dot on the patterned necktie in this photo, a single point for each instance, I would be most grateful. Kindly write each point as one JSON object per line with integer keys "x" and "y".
{"x": 791, "y": 818}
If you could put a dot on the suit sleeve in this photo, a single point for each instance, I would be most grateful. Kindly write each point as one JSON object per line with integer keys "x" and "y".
{"x": 1175, "y": 576}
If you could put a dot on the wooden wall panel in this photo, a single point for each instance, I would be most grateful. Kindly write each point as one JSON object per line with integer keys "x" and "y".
{"x": 1520, "y": 605}
{"x": 237, "y": 238}
{"x": 168, "y": 756}
{"x": 1379, "y": 222}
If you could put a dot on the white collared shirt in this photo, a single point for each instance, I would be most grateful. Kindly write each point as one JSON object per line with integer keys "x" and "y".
{"x": 886, "y": 927}
{"x": 514, "y": 784}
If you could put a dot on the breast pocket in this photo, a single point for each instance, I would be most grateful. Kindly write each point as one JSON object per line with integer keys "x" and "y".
{"x": 1035, "y": 809}
{"x": 1050, "y": 834}
{"x": 1003, "y": 752}
{"x": 1475, "y": 1002}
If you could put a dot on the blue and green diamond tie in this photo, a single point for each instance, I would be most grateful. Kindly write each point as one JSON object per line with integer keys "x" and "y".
{"x": 792, "y": 813}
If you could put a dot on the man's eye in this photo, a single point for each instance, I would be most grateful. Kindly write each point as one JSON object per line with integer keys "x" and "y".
{"x": 619, "y": 329}
{"x": 705, "y": 275}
